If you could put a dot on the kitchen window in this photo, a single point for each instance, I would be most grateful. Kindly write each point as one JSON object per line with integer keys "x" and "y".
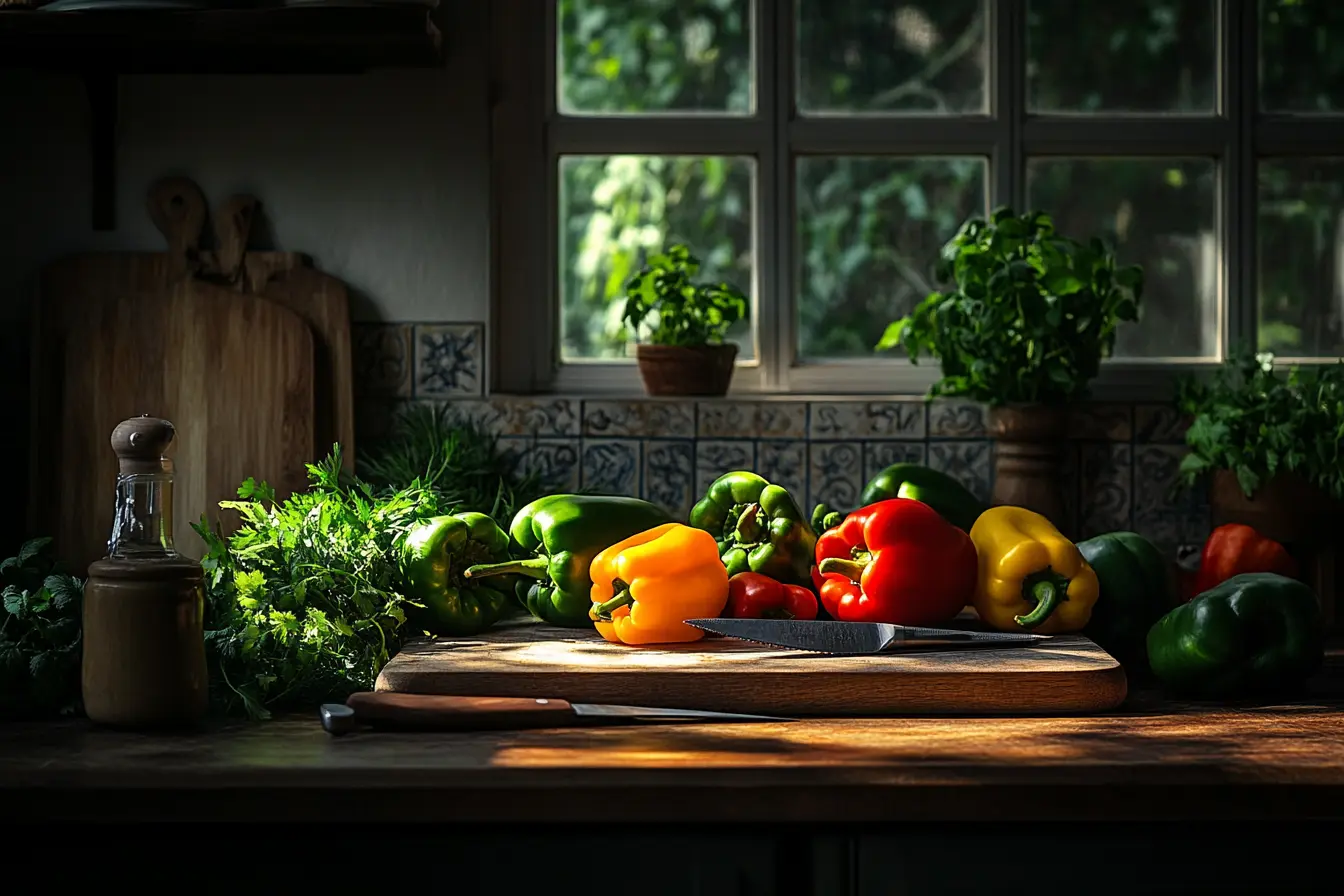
{"x": 818, "y": 153}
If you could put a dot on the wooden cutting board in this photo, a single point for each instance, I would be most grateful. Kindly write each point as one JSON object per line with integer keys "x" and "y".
{"x": 1068, "y": 674}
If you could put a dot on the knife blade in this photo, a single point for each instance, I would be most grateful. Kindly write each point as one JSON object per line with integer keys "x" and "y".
{"x": 430, "y": 712}
{"x": 855, "y": 638}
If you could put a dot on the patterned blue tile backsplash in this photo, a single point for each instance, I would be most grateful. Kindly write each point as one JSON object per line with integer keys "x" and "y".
{"x": 1120, "y": 465}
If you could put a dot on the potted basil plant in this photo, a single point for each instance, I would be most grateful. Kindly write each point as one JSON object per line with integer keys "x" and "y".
{"x": 684, "y": 352}
{"x": 1023, "y": 328}
{"x": 1269, "y": 444}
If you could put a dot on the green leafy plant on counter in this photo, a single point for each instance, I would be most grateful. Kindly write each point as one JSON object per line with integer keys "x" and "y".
{"x": 458, "y": 458}
{"x": 40, "y": 634}
{"x": 678, "y": 310}
{"x": 304, "y": 601}
{"x": 1030, "y": 314}
{"x": 1257, "y": 421}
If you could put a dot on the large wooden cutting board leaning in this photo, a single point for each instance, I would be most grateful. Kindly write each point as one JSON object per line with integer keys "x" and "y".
{"x": 1067, "y": 674}
{"x": 248, "y": 354}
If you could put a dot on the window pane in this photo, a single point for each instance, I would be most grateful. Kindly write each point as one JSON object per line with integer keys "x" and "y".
{"x": 1302, "y": 55}
{"x": 1301, "y": 252}
{"x": 1144, "y": 56}
{"x": 869, "y": 233}
{"x": 654, "y": 56}
{"x": 869, "y": 56}
{"x": 1158, "y": 213}
{"x": 616, "y": 210}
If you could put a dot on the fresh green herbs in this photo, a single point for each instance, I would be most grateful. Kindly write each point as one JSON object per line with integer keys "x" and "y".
{"x": 456, "y": 457}
{"x": 677, "y": 310}
{"x": 1030, "y": 317}
{"x": 40, "y": 634}
{"x": 304, "y": 601}
{"x": 1254, "y": 421}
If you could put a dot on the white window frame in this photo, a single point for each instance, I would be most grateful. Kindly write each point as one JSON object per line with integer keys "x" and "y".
{"x": 528, "y": 136}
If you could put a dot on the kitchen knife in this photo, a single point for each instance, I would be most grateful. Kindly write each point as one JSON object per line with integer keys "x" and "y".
{"x": 428, "y": 712}
{"x": 855, "y": 638}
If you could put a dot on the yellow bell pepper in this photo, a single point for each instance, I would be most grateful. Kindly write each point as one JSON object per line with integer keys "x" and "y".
{"x": 1031, "y": 576}
{"x": 645, "y": 587}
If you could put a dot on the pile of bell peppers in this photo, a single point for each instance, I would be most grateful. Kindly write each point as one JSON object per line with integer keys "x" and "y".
{"x": 919, "y": 551}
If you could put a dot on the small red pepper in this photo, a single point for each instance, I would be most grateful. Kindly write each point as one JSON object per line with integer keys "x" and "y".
{"x": 1234, "y": 549}
{"x": 755, "y": 596}
{"x": 896, "y": 561}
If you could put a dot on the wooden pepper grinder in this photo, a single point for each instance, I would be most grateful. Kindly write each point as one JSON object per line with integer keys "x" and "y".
{"x": 144, "y": 605}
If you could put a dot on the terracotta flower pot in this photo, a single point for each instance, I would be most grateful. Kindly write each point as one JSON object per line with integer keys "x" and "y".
{"x": 1286, "y": 508}
{"x": 1029, "y": 458}
{"x": 686, "y": 369}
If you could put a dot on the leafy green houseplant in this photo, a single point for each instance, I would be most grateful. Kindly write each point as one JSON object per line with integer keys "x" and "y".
{"x": 686, "y": 322}
{"x": 1269, "y": 443}
{"x": 1023, "y": 328}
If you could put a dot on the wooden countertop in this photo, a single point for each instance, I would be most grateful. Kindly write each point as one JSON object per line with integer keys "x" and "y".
{"x": 1153, "y": 760}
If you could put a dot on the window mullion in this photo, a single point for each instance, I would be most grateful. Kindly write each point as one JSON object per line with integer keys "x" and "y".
{"x": 774, "y": 67}
{"x": 1239, "y": 36}
{"x": 1008, "y": 32}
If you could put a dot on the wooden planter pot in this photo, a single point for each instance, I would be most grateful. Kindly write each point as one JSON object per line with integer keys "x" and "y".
{"x": 686, "y": 369}
{"x": 1029, "y": 458}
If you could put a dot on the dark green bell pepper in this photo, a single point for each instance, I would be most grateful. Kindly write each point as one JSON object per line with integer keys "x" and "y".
{"x": 953, "y": 501}
{"x": 759, "y": 528}
{"x": 1137, "y": 587}
{"x": 564, "y": 533}
{"x": 1256, "y": 634}
{"x": 434, "y": 555}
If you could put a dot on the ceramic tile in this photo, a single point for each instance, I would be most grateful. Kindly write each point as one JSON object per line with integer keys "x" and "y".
{"x": 517, "y": 449}
{"x": 666, "y": 419}
{"x": 866, "y": 420}
{"x": 373, "y": 418}
{"x": 952, "y": 418}
{"x": 967, "y": 461}
{"x": 1159, "y": 423}
{"x": 610, "y": 466}
{"x": 383, "y": 359}
{"x": 1102, "y": 422}
{"x": 714, "y": 458}
{"x": 1106, "y": 476}
{"x": 781, "y": 420}
{"x": 449, "y": 360}
{"x": 556, "y": 463}
{"x": 545, "y": 417}
{"x": 785, "y": 463}
{"x": 1167, "y": 519}
{"x": 877, "y": 456}
{"x": 835, "y": 474}
{"x": 669, "y": 475}
{"x": 726, "y": 419}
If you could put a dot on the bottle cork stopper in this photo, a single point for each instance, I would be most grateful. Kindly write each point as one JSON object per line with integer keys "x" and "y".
{"x": 140, "y": 443}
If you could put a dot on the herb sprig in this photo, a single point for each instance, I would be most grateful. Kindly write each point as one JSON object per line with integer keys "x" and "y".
{"x": 40, "y": 634}
{"x": 1255, "y": 421}
{"x": 1030, "y": 316}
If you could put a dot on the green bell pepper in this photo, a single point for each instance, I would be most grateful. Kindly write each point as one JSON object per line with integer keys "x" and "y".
{"x": 434, "y": 555}
{"x": 565, "y": 532}
{"x": 1256, "y": 634}
{"x": 759, "y": 528}
{"x": 940, "y": 491}
{"x": 1137, "y": 587}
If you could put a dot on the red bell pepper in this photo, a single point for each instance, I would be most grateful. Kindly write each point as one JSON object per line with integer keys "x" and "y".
{"x": 896, "y": 561}
{"x": 755, "y": 596}
{"x": 1234, "y": 549}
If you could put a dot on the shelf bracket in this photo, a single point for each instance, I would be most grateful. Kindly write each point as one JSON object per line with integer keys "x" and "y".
{"x": 102, "y": 89}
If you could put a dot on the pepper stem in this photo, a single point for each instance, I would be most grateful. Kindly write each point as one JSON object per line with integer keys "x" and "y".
{"x": 748, "y": 528}
{"x": 604, "y": 610}
{"x": 850, "y": 569}
{"x": 1047, "y": 593}
{"x": 534, "y": 567}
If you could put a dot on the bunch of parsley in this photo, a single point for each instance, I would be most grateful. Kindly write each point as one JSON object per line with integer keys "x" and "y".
{"x": 304, "y": 600}
{"x": 40, "y": 634}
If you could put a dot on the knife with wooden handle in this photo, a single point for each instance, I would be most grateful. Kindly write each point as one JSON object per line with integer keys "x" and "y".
{"x": 429, "y": 712}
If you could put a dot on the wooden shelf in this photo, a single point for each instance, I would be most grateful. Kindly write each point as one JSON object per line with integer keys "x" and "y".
{"x": 102, "y": 46}
{"x": 286, "y": 40}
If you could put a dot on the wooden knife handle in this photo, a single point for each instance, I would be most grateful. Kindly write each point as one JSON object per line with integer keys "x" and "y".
{"x": 427, "y": 712}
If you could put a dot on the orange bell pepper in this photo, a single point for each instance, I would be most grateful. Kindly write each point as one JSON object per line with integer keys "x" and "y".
{"x": 645, "y": 587}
